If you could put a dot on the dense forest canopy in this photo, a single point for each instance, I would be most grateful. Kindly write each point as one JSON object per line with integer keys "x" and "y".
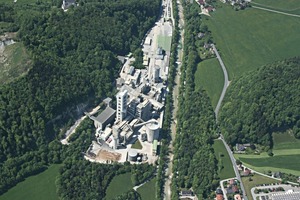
{"x": 74, "y": 61}
{"x": 262, "y": 102}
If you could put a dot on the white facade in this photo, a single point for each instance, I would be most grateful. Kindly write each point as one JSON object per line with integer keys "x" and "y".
{"x": 121, "y": 105}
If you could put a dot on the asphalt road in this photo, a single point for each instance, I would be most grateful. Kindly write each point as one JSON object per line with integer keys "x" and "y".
{"x": 226, "y": 82}
{"x": 236, "y": 171}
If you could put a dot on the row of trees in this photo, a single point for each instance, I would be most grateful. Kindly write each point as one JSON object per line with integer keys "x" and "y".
{"x": 194, "y": 164}
{"x": 261, "y": 102}
{"x": 74, "y": 61}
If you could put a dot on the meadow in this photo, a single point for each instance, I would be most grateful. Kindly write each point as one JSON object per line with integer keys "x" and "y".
{"x": 286, "y": 157}
{"x": 224, "y": 163}
{"x": 289, "y": 6}
{"x": 147, "y": 191}
{"x": 119, "y": 185}
{"x": 40, "y": 186}
{"x": 251, "y": 38}
{"x": 255, "y": 180}
{"x": 14, "y": 62}
{"x": 209, "y": 76}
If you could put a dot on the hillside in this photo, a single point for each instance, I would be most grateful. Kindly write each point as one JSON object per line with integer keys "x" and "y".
{"x": 261, "y": 102}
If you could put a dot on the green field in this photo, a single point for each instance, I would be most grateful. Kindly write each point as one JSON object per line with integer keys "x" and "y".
{"x": 286, "y": 156}
{"x": 227, "y": 170}
{"x": 24, "y": 1}
{"x": 164, "y": 42}
{"x": 256, "y": 180}
{"x": 119, "y": 185}
{"x": 251, "y": 38}
{"x": 147, "y": 191}
{"x": 14, "y": 62}
{"x": 209, "y": 75}
{"x": 137, "y": 145}
{"x": 40, "y": 186}
{"x": 289, "y": 6}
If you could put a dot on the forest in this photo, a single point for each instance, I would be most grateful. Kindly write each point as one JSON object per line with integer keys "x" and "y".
{"x": 262, "y": 102}
{"x": 194, "y": 162}
{"x": 74, "y": 57}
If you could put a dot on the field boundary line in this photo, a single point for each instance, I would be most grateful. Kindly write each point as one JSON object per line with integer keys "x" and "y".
{"x": 275, "y": 11}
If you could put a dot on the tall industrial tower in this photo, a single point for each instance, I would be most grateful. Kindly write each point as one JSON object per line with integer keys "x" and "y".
{"x": 121, "y": 105}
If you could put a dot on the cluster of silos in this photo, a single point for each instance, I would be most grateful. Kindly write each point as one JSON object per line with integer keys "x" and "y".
{"x": 132, "y": 155}
{"x": 152, "y": 130}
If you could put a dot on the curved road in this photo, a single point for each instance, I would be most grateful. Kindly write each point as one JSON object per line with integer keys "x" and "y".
{"x": 226, "y": 82}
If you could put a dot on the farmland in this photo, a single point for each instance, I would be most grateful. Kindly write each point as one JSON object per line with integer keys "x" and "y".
{"x": 289, "y": 6}
{"x": 40, "y": 186}
{"x": 119, "y": 185}
{"x": 147, "y": 191}
{"x": 224, "y": 163}
{"x": 251, "y": 38}
{"x": 209, "y": 75}
{"x": 286, "y": 157}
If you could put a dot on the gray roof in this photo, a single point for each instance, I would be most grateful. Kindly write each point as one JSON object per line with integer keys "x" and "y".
{"x": 105, "y": 115}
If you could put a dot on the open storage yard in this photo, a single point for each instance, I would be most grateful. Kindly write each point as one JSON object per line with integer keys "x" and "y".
{"x": 251, "y": 38}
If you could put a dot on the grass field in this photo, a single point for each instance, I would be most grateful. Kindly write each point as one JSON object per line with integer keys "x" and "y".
{"x": 14, "y": 62}
{"x": 227, "y": 170}
{"x": 256, "y": 180}
{"x": 24, "y": 1}
{"x": 251, "y": 38}
{"x": 147, "y": 191}
{"x": 164, "y": 42}
{"x": 209, "y": 75}
{"x": 137, "y": 145}
{"x": 286, "y": 156}
{"x": 119, "y": 185}
{"x": 41, "y": 186}
{"x": 290, "y": 6}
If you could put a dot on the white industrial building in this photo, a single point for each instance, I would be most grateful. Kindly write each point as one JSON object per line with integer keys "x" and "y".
{"x": 121, "y": 105}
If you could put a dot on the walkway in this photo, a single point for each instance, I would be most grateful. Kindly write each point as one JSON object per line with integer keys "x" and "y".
{"x": 275, "y": 11}
{"x": 226, "y": 82}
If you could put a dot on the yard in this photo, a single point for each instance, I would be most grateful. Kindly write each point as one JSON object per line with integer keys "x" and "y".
{"x": 40, "y": 186}
{"x": 119, "y": 185}
{"x": 286, "y": 156}
{"x": 137, "y": 145}
{"x": 251, "y": 38}
{"x": 224, "y": 163}
{"x": 255, "y": 180}
{"x": 147, "y": 191}
{"x": 209, "y": 75}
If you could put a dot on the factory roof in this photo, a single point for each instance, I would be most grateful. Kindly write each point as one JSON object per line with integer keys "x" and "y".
{"x": 105, "y": 115}
{"x": 284, "y": 196}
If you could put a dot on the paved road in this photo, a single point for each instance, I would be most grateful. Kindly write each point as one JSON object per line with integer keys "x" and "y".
{"x": 226, "y": 82}
{"x": 275, "y": 11}
{"x": 236, "y": 171}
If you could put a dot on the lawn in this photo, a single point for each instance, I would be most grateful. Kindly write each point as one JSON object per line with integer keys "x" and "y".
{"x": 137, "y": 145}
{"x": 223, "y": 160}
{"x": 119, "y": 185}
{"x": 40, "y": 186}
{"x": 147, "y": 191}
{"x": 290, "y": 6}
{"x": 256, "y": 180}
{"x": 14, "y": 62}
{"x": 251, "y": 38}
{"x": 209, "y": 75}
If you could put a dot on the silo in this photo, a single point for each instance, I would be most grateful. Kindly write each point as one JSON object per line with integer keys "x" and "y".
{"x": 156, "y": 74}
{"x": 132, "y": 155}
{"x": 152, "y": 131}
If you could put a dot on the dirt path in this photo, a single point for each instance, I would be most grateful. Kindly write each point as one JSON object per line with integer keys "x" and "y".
{"x": 275, "y": 11}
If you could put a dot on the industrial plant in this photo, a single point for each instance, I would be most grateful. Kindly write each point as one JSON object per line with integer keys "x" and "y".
{"x": 138, "y": 114}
